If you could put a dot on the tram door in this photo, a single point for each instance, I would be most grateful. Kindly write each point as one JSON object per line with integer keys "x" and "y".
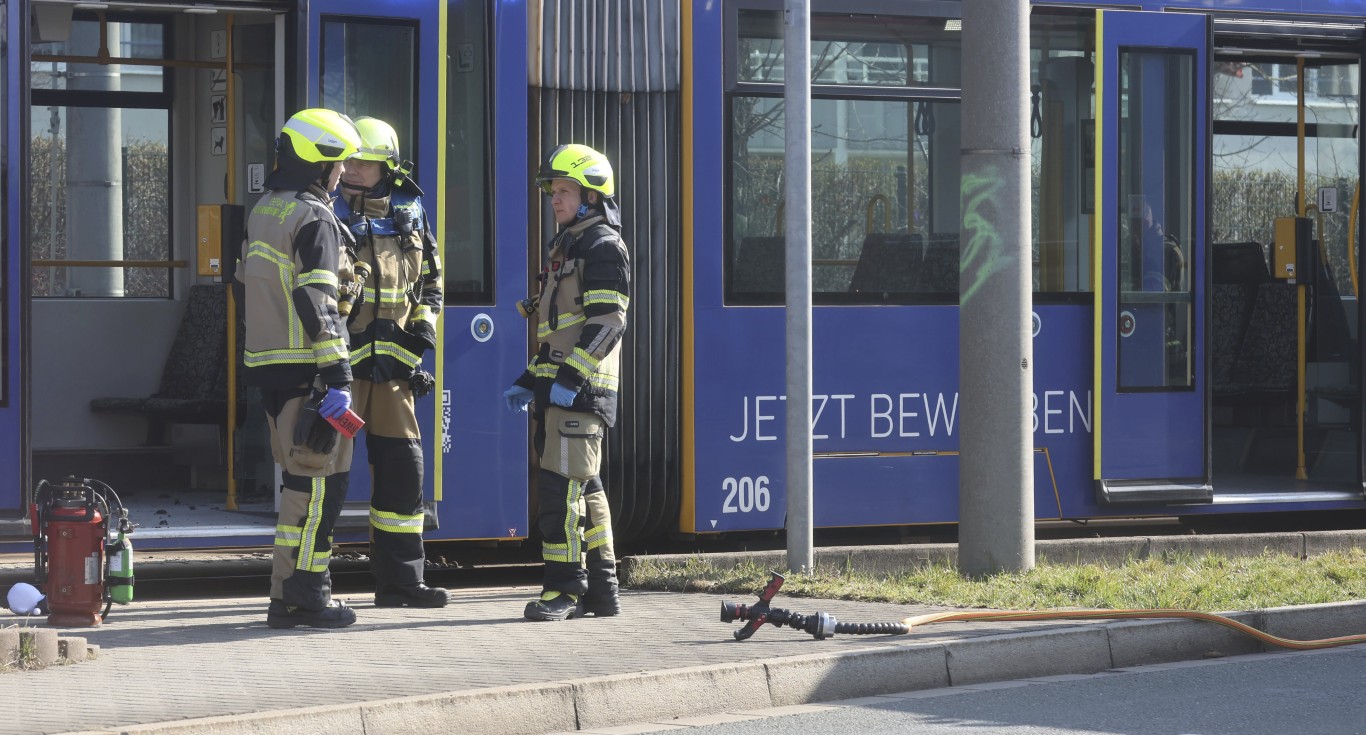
{"x": 423, "y": 67}
{"x": 13, "y": 453}
{"x": 1151, "y": 404}
{"x": 1284, "y": 317}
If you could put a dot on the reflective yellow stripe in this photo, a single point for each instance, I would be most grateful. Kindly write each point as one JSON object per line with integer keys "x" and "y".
{"x": 604, "y": 381}
{"x": 262, "y": 250}
{"x": 389, "y": 349}
{"x": 288, "y": 283}
{"x": 572, "y": 532}
{"x": 314, "y": 519}
{"x": 555, "y": 552}
{"x": 318, "y": 277}
{"x": 288, "y": 535}
{"x": 329, "y": 351}
{"x": 582, "y": 361}
{"x": 597, "y": 536}
{"x": 383, "y": 520}
{"x": 387, "y": 295}
{"x": 545, "y": 370}
{"x": 277, "y": 357}
{"x": 385, "y": 349}
{"x": 543, "y": 329}
{"x": 320, "y": 560}
{"x": 607, "y": 296}
{"x": 423, "y": 313}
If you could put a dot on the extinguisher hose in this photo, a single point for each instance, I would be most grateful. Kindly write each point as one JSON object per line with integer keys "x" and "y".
{"x": 108, "y": 492}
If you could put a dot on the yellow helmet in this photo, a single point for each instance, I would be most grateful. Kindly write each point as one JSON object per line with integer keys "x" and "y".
{"x": 317, "y": 135}
{"x": 379, "y": 142}
{"x": 581, "y": 164}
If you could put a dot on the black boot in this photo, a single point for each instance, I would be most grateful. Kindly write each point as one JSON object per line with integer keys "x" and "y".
{"x": 335, "y": 615}
{"x": 416, "y": 595}
{"x": 554, "y": 606}
{"x": 602, "y": 603}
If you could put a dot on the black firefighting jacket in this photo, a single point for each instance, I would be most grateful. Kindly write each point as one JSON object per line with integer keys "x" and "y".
{"x": 581, "y": 316}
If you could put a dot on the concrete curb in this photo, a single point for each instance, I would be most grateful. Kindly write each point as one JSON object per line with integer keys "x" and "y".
{"x": 901, "y": 558}
{"x": 606, "y": 701}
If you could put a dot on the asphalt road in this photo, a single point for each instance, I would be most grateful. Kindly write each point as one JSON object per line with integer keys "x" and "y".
{"x": 1316, "y": 693}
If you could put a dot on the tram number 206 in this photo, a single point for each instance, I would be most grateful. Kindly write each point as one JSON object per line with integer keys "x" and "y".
{"x": 745, "y": 494}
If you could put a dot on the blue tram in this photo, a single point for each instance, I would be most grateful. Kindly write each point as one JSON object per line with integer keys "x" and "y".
{"x": 1195, "y": 176}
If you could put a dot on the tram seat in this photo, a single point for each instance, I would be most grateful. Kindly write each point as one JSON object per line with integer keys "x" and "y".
{"x": 759, "y": 266}
{"x": 890, "y": 263}
{"x": 1267, "y": 356}
{"x": 1239, "y": 269}
{"x": 1240, "y": 262}
{"x": 942, "y": 264}
{"x": 1231, "y": 310}
{"x": 193, "y": 388}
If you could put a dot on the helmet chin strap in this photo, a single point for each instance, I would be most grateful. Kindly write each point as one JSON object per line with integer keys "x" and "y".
{"x": 327, "y": 173}
{"x": 377, "y": 188}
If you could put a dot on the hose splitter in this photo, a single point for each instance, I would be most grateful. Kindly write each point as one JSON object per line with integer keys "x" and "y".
{"x": 820, "y": 625}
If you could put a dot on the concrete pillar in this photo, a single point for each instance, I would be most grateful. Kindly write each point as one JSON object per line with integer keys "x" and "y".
{"x": 94, "y": 171}
{"x": 797, "y": 230}
{"x": 996, "y": 476}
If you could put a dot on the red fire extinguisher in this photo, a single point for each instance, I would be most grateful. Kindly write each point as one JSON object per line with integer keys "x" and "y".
{"x": 70, "y": 535}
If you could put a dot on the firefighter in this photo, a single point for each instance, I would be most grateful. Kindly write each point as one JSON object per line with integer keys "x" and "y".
{"x": 573, "y": 382}
{"x": 295, "y": 256}
{"x": 391, "y": 325}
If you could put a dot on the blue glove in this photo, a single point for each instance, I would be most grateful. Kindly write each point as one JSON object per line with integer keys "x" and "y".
{"x": 518, "y": 398}
{"x": 335, "y": 403}
{"x": 562, "y": 396}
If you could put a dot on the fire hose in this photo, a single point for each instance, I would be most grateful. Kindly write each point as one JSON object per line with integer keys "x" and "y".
{"x": 824, "y": 625}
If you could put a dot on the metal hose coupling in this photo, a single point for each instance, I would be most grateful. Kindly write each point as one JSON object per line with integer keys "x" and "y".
{"x": 820, "y": 625}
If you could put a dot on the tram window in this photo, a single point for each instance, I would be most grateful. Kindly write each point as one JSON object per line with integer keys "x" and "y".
{"x": 1156, "y": 228}
{"x": 92, "y": 124}
{"x": 885, "y": 183}
{"x": 468, "y": 259}
{"x": 4, "y": 215}
{"x": 1062, "y": 130}
{"x": 369, "y": 68}
{"x": 871, "y": 50}
{"x": 1255, "y": 153}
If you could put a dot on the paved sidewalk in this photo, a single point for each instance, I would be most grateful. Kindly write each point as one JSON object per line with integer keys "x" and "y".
{"x": 212, "y": 666}
{"x": 485, "y": 670}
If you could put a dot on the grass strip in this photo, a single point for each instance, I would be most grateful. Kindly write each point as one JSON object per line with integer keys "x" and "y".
{"x": 1209, "y": 583}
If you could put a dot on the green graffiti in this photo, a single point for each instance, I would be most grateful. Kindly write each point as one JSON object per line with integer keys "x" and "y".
{"x": 984, "y": 253}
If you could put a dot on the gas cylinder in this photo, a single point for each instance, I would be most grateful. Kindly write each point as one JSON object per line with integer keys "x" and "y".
{"x": 120, "y": 553}
{"x": 71, "y": 534}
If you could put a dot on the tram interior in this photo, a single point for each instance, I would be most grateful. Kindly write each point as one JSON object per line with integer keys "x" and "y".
{"x": 135, "y": 112}
{"x": 1253, "y": 307}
